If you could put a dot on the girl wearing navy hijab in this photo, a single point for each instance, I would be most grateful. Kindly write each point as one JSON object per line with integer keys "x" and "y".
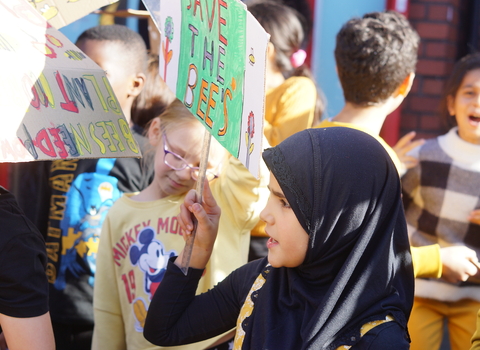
{"x": 338, "y": 274}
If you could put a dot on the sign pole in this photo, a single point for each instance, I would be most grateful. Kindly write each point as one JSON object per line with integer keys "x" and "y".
{"x": 187, "y": 252}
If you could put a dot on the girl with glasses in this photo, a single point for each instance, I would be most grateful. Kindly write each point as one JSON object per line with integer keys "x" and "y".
{"x": 141, "y": 231}
{"x": 338, "y": 274}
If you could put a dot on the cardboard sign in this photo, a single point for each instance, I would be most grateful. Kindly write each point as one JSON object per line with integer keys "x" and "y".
{"x": 59, "y": 13}
{"x": 55, "y": 102}
{"x": 212, "y": 56}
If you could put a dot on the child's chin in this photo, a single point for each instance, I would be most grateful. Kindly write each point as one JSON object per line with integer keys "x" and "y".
{"x": 273, "y": 262}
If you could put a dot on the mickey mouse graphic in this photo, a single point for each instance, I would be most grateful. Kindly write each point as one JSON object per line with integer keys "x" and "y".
{"x": 152, "y": 259}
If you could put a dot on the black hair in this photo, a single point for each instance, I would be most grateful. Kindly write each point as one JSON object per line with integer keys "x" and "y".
{"x": 132, "y": 43}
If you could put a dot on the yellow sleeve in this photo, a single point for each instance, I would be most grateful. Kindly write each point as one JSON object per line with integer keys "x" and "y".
{"x": 426, "y": 261}
{"x": 240, "y": 195}
{"x": 476, "y": 335}
{"x": 109, "y": 332}
{"x": 290, "y": 109}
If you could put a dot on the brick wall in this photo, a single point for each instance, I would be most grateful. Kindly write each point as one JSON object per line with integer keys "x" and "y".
{"x": 443, "y": 26}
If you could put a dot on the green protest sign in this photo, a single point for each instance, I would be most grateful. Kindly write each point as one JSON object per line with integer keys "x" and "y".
{"x": 212, "y": 56}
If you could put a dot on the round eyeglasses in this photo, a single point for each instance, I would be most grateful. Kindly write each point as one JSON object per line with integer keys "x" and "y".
{"x": 175, "y": 162}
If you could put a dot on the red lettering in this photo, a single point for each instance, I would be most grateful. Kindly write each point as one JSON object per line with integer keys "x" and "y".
{"x": 162, "y": 225}
{"x": 197, "y": 4}
{"x": 35, "y": 102}
{"x": 49, "y": 52}
{"x": 117, "y": 256}
{"x": 129, "y": 283}
{"x": 43, "y": 142}
{"x": 122, "y": 248}
{"x": 130, "y": 238}
{"x": 58, "y": 142}
{"x": 53, "y": 40}
{"x": 174, "y": 225}
{"x": 221, "y": 21}
{"x": 68, "y": 105}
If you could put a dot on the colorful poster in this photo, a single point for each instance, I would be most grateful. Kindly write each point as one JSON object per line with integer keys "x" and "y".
{"x": 55, "y": 102}
{"x": 59, "y": 13}
{"x": 212, "y": 56}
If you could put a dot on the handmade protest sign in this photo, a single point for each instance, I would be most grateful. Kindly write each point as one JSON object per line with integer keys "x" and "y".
{"x": 212, "y": 56}
{"x": 59, "y": 13}
{"x": 55, "y": 102}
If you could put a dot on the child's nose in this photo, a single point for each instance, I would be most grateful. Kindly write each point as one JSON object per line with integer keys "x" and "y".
{"x": 265, "y": 217}
{"x": 477, "y": 100}
{"x": 184, "y": 174}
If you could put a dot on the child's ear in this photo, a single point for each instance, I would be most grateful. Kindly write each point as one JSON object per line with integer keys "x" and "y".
{"x": 137, "y": 83}
{"x": 271, "y": 54}
{"x": 270, "y": 50}
{"x": 154, "y": 132}
{"x": 406, "y": 85}
{"x": 451, "y": 105}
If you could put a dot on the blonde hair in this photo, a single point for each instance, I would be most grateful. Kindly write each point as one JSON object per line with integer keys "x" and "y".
{"x": 177, "y": 116}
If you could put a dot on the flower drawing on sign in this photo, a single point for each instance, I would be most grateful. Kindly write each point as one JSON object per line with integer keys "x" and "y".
{"x": 249, "y": 136}
{"x": 167, "y": 54}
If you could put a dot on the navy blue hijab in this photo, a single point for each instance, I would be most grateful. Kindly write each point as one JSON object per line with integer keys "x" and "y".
{"x": 345, "y": 192}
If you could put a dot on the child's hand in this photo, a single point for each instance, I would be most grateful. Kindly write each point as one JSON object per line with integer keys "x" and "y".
{"x": 459, "y": 263}
{"x": 405, "y": 145}
{"x": 208, "y": 217}
{"x": 475, "y": 217}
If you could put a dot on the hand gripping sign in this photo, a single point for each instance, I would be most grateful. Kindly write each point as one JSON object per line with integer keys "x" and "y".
{"x": 212, "y": 56}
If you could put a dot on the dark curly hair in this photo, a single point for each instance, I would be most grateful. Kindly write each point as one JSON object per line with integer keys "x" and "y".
{"x": 460, "y": 70}
{"x": 374, "y": 54}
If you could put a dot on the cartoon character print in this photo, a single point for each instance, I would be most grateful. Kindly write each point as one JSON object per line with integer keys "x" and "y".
{"x": 150, "y": 256}
{"x": 88, "y": 201}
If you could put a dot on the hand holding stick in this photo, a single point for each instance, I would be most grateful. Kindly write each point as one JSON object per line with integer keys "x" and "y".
{"x": 207, "y": 216}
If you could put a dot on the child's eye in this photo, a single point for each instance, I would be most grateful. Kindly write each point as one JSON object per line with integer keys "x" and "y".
{"x": 284, "y": 203}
